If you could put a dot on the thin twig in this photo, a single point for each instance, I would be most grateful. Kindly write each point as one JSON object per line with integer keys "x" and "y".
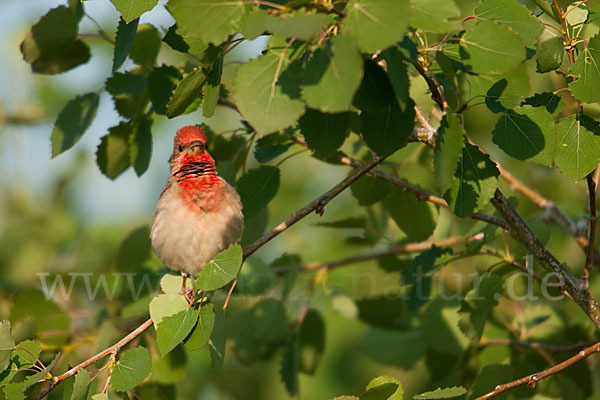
{"x": 108, "y": 351}
{"x": 551, "y": 210}
{"x": 589, "y": 254}
{"x": 414, "y": 247}
{"x": 521, "y": 233}
{"x": 435, "y": 92}
{"x": 531, "y": 380}
{"x": 419, "y": 193}
{"x": 315, "y": 205}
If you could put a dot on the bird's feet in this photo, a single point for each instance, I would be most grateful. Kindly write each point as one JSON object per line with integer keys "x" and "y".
{"x": 187, "y": 292}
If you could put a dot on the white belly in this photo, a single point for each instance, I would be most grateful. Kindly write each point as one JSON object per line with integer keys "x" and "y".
{"x": 186, "y": 240}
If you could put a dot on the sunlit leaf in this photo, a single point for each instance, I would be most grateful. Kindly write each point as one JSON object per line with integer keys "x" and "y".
{"x": 132, "y": 367}
{"x": 493, "y": 48}
{"x": 221, "y": 270}
{"x": 194, "y": 17}
{"x": 377, "y": 24}
{"x": 174, "y": 328}
{"x": 131, "y": 9}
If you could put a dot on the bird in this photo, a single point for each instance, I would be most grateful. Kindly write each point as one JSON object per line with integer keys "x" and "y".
{"x": 199, "y": 214}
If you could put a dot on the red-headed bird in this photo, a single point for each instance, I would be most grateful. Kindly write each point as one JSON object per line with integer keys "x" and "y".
{"x": 199, "y": 214}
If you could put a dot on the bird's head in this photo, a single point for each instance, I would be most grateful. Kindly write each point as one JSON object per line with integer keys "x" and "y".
{"x": 190, "y": 159}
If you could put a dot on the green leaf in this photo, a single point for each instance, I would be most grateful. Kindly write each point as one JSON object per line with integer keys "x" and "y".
{"x": 553, "y": 103}
{"x": 375, "y": 92}
{"x": 527, "y": 133}
{"x": 184, "y": 43}
{"x": 448, "y": 150}
{"x": 221, "y": 270}
{"x": 131, "y": 369}
{"x": 173, "y": 329}
{"x": 131, "y": 9}
{"x": 100, "y": 396}
{"x": 369, "y": 190}
{"x": 7, "y": 345}
{"x": 311, "y": 341}
{"x": 25, "y": 354}
{"x": 333, "y": 75}
{"x": 501, "y": 92}
{"x": 587, "y": 69}
{"x": 493, "y": 48}
{"x": 549, "y": 54}
{"x": 195, "y": 16}
{"x": 127, "y": 83}
{"x": 146, "y": 45}
{"x": 511, "y": 13}
{"x": 112, "y": 155}
{"x": 577, "y": 147}
{"x": 14, "y": 391}
{"x": 324, "y": 133}
{"x": 187, "y": 91}
{"x": 475, "y": 183}
{"x": 416, "y": 218}
{"x": 386, "y": 380}
{"x": 266, "y": 95}
{"x": 433, "y": 15}
{"x": 161, "y": 83}
{"x": 257, "y": 188}
{"x": 172, "y": 284}
{"x": 80, "y": 386}
{"x": 398, "y": 75}
{"x": 204, "y": 327}
{"x": 73, "y": 121}
{"x": 299, "y": 24}
{"x": 123, "y": 40}
{"x": 217, "y": 342}
{"x": 166, "y": 305}
{"x": 377, "y": 24}
{"x": 290, "y": 363}
{"x": 439, "y": 393}
{"x": 212, "y": 88}
{"x": 140, "y": 146}
{"x": 381, "y": 392}
{"x": 386, "y": 130}
{"x": 577, "y": 14}
{"x": 51, "y": 46}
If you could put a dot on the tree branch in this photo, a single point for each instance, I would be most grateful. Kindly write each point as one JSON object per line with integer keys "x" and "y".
{"x": 108, "y": 351}
{"x": 551, "y": 211}
{"x": 414, "y": 247}
{"x": 589, "y": 254}
{"x": 521, "y": 233}
{"x": 436, "y": 95}
{"x": 316, "y": 205}
{"x": 421, "y": 194}
{"x": 531, "y": 380}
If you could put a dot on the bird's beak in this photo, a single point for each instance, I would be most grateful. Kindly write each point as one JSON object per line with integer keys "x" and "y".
{"x": 197, "y": 148}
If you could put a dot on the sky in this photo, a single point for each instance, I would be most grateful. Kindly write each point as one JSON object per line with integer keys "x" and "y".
{"x": 25, "y": 162}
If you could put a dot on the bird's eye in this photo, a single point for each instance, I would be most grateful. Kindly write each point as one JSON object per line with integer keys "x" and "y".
{"x": 180, "y": 148}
